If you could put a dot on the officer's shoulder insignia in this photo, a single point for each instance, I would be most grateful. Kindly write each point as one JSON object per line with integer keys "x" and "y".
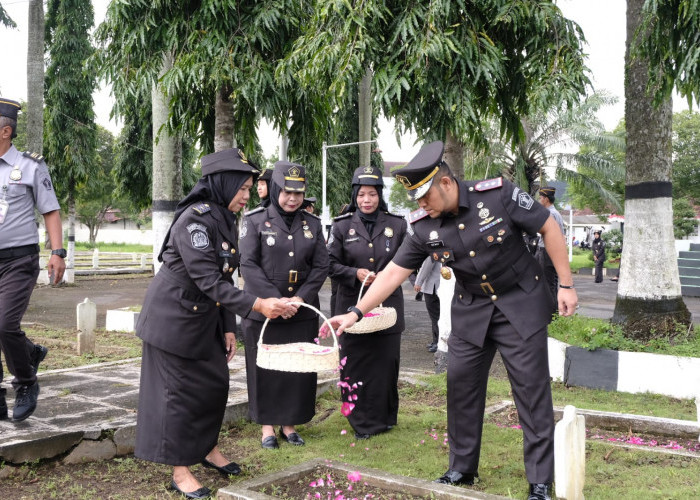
{"x": 33, "y": 156}
{"x": 312, "y": 215}
{"x": 417, "y": 215}
{"x": 489, "y": 184}
{"x": 344, "y": 216}
{"x": 201, "y": 208}
{"x": 525, "y": 200}
{"x": 254, "y": 211}
{"x": 394, "y": 215}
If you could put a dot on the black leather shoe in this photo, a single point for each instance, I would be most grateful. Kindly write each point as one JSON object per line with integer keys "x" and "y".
{"x": 25, "y": 402}
{"x": 38, "y": 356}
{"x": 232, "y": 469}
{"x": 432, "y": 348}
{"x": 541, "y": 491}
{"x": 293, "y": 438}
{"x": 359, "y": 435}
{"x": 202, "y": 492}
{"x": 270, "y": 443}
{"x": 454, "y": 478}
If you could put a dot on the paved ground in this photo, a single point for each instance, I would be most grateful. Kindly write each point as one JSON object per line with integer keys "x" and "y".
{"x": 84, "y": 404}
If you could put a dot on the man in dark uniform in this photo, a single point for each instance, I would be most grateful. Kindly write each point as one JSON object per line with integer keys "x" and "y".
{"x": 25, "y": 184}
{"x": 598, "y": 248}
{"x": 501, "y": 302}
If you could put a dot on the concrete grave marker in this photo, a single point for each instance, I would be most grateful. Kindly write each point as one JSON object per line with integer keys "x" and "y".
{"x": 86, "y": 313}
{"x": 570, "y": 455}
{"x": 96, "y": 259}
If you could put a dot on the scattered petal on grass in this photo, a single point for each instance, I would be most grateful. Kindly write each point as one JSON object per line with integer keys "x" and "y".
{"x": 343, "y": 432}
{"x": 346, "y": 409}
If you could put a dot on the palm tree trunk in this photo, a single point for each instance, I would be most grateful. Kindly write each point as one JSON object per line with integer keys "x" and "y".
{"x": 35, "y": 77}
{"x": 649, "y": 301}
{"x": 364, "y": 104}
{"x": 454, "y": 155}
{"x": 223, "y": 120}
{"x": 167, "y": 173}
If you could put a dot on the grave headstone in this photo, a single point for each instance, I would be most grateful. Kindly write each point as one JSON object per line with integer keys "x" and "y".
{"x": 570, "y": 455}
{"x": 86, "y": 313}
{"x": 96, "y": 259}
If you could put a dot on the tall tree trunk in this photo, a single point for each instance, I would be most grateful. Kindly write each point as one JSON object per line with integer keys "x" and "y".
{"x": 223, "y": 120}
{"x": 35, "y": 77}
{"x": 649, "y": 301}
{"x": 454, "y": 155}
{"x": 364, "y": 105}
{"x": 167, "y": 171}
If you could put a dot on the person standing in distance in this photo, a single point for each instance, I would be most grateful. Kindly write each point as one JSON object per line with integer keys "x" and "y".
{"x": 25, "y": 184}
{"x": 263, "y": 187}
{"x": 474, "y": 229}
{"x": 598, "y": 248}
{"x": 547, "y": 200}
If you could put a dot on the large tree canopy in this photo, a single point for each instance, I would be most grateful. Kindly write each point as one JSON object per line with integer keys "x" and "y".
{"x": 445, "y": 65}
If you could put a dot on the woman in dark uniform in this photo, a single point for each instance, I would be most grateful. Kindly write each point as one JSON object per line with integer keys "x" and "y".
{"x": 187, "y": 324}
{"x": 283, "y": 254}
{"x": 263, "y": 187}
{"x": 364, "y": 241}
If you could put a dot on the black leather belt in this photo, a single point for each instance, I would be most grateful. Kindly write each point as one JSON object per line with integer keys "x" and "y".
{"x": 12, "y": 253}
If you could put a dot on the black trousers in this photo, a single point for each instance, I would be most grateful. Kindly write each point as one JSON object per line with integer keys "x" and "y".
{"x": 432, "y": 304}
{"x": 599, "y": 269}
{"x": 17, "y": 279}
{"x": 528, "y": 371}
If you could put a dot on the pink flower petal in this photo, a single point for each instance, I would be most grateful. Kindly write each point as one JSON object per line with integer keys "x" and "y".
{"x": 354, "y": 476}
{"x": 343, "y": 432}
{"x": 346, "y": 408}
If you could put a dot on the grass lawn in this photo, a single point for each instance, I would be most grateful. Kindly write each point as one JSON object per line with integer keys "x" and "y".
{"x": 415, "y": 448}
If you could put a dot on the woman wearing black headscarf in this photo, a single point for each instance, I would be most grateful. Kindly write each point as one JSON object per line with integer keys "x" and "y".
{"x": 362, "y": 242}
{"x": 263, "y": 187}
{"x": 187, "y": 324}
{"x": 283, "y": 254}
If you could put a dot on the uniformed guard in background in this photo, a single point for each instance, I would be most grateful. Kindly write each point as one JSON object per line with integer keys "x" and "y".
{"x": 547, "y": 199}
{"x": 188, "y": 322}
{"x": 361, "y": 242}
{"x": 283, "y": 254}
{"x": 263, "y": 187}
{"x": 598, "y": 248}
{"x": 25, "y": 184}
{"x": 501, "y": 302}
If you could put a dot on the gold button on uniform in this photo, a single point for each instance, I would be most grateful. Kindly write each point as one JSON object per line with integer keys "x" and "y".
{"x": 472, "y": 253}
{"x": 291, "y": 254}
{"x": 290, "y": 237}
{"x": 461, "y": 226}
{"x": 499, "y": 239}
{"x": 291, "y": 289}
{"x": 471, "y": 189}
{"x": 460, "y": 295}
{"x": 370, "y": 245}
{"x": 493, "y": 297}
{"x": 218, "y": 304}
{"x": 194, "y": 308}
{"x": 537, "y": 278}
{"x": 371, "y": 259}
{"x": 233, "y": 250}
{"x": 483, "y": 277}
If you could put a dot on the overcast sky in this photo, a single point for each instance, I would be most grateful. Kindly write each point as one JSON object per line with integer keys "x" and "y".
{"x": 602, "y": 21}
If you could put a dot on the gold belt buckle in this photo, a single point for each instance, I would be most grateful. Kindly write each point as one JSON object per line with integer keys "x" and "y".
{"x": 487, "y": 288}
{"x": 293, "y": 276}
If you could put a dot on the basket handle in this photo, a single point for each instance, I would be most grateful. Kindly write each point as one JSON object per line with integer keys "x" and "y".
{"x": 371, "y": 273}
{"x": 325, "y": 320}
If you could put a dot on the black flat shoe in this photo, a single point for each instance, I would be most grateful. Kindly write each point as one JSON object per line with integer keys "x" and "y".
{"x": 454, "y": 478}
{"x": 270, "y": 443}
{"x": 293, "y": 438}
{"x": 359, "y": 435}
{"x": 232, "y": 469}
{"x": 202, "y": 492}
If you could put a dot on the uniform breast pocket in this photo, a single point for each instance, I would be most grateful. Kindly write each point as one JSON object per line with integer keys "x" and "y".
{"x": 497, "y": 236}
{"x": 16, "y": 191}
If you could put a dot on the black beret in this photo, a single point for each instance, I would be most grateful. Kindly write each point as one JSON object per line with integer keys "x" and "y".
{"x": 266, "y": 175}
{"x": 289, "y": 176}
{"x": 228, "y": 160}
{"x": 367, "y": 176}
{"x": 9, "y": 108}
{"x": 417, "y": 176}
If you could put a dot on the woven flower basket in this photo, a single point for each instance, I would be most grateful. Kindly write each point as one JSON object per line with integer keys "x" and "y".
{"x": 299, "y": 357}
{"x": 379, "y": 318}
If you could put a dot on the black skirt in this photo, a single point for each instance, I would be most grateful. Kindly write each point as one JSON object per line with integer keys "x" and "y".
{"x": 181, "y": 406}
{"x": 372, "y": 359}
{"x": 276, "y": 397}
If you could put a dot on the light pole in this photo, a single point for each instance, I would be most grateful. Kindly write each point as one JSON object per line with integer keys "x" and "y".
{"x": 325, "y": 212}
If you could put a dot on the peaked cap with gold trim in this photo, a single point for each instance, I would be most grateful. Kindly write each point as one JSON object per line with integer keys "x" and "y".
{"x": 417, "y": 176}
{"x": 289, "y": 176}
